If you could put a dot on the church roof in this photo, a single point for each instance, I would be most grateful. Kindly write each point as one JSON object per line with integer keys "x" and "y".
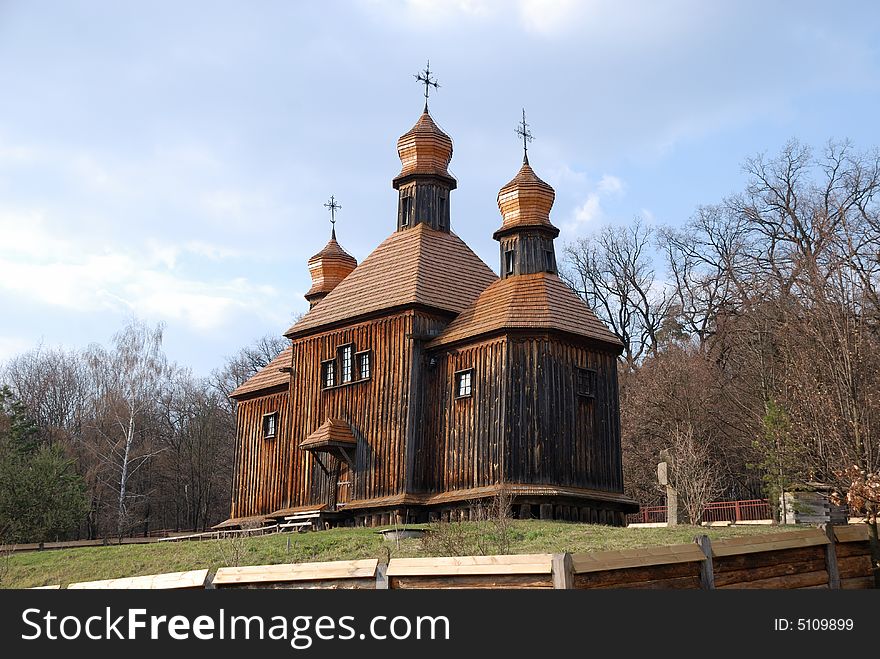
{"x": 415, "y": 266}
{"x": 329, "y": 267}
{"x": 268, "y": 377}
{"x": 536, "y": 301}
{"x": 424, "y": 149}
{"x": 526, "y": 200}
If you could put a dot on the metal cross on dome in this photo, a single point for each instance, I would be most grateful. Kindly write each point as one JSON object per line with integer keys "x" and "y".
{"x": 424, "y": 77}
{"x": 523, "y": 131}
{"x": 332, "y": 206}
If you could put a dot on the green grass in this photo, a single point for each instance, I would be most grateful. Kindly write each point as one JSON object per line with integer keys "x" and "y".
{"x": 64, "y": 566}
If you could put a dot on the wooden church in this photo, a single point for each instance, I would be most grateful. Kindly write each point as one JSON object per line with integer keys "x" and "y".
{"x": 420, "y": 383}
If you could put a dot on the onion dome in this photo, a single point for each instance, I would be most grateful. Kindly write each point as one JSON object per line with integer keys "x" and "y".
{"x": 424, "y": 150}
{"x": 525, "y": 201}
{"x": 328, "y": 267}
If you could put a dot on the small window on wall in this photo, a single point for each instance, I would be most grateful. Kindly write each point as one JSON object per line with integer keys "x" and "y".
{"x": 270, "y": 425}
{"x": 441, "y": 210}
{"x": 508, "y": 262}
{"x": 328, "y": 373}
{"x": 406, "y": 207}
{"x": 586, "y": 382}
{"x": 549, "y": 260}
{"x": 364, "y": 367}
{"x": 464, "y": 383}
{"x": 345, "y": 358}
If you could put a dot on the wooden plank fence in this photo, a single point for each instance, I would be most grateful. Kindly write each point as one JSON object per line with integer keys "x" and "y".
{"x": 825, "y": 557}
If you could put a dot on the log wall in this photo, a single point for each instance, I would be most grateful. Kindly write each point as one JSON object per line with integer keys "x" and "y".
{"x": 555, "y": 436}
{"x": 259, "y": 481}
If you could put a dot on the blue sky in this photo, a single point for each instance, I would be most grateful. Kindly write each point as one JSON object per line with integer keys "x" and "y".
{"x": 170, "y": 159}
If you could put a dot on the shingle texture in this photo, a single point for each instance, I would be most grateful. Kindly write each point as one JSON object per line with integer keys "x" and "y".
{"x": 270, "y": 376}
{"x": 537, "y": 301}
{"x": 424, "y": 149}
{"x": 333, "y": 432}
{"x": 413, "y": 266}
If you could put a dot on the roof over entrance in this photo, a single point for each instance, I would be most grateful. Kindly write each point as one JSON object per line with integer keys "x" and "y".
{"x": 333, "y": 433}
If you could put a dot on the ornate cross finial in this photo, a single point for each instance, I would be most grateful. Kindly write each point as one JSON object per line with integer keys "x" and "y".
{"x": 424, "y": 77}
{"x": 523, "y": 131}
{"x": 332, "y": 206}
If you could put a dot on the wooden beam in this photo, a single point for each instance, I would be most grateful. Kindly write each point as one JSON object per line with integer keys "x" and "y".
{"x": 707, "y": 571}
{"x": 831, "y": 558}
{"x": 563, "y": 572}
{"x": 172, "y": 580}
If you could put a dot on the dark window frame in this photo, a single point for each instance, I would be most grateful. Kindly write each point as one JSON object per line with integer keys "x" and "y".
{"x": 270, "y": 417}
{"x": 331, "y": 363}
{"x": 586, "y": 382}
{"x": 458, "y": 378}
{"x": 509, "y": 261}
{"x": 340, "y": 353}
{"x": 550, "y": 260}
{"x": 357, "y": 361}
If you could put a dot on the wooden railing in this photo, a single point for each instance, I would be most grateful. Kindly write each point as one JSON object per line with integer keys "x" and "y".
{"x": 827, "y": 557}
{"x": 715, "y": 511}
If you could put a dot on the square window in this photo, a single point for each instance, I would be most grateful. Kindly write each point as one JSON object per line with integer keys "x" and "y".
{"x": 270, "y": 425}
{"x": 463, "y": 383}
{"x": 346, "y": 361}
{"x": 328, "y": 369}
{"x": 508, "y": 262}
{"x": 363, "y": 365}
{"x": 586, "y": 382}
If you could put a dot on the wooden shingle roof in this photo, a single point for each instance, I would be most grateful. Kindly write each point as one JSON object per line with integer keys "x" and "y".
{"x": 333, "y": 433}
{"x": 415, "y": 266}
{"x": 424, "y": 149}
{"x": 525, "y": 201}
{"x": 329, "y": 267}
{"x": 540, "y": 301}
{"x": 268, "y": 377}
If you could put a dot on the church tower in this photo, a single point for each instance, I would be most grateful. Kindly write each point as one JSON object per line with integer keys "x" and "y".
{"x": 331, "y": 265}
{"x": 526, "y": 234}
{"x": 424, "y": 183}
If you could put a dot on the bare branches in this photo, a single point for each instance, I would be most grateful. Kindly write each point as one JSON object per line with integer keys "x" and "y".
{"x": 614, "y": 273}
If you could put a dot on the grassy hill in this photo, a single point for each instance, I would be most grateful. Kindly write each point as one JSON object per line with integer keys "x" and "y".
{"x": 64, "y": 566}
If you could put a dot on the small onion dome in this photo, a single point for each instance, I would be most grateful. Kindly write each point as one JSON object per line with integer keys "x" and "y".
{"x": 328, "y": 267}
{"x": 525, "y": 201}
{"x": 425, "y": 150}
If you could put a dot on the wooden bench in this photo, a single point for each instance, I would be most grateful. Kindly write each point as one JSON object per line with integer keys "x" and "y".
{"x": 303, "y": 521}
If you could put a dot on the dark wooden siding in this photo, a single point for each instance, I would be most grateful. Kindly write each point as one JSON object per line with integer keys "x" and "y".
{"x": 555, "y": 436}
{"x": 258, "y": 477}
{"x": 529, "y": 253}
{"x": 463, "y": 436}
{"x": 376, "y": 409}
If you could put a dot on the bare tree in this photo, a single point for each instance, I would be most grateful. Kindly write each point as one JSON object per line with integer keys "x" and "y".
{"x": 694, "y": 474}
{"x": 130, "y": 379}
{"x": 245, "y": 363}
{"x": 614, "y": 272}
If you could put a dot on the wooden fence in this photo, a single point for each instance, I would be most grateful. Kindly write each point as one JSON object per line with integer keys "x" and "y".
{"x": 827, "y": 557}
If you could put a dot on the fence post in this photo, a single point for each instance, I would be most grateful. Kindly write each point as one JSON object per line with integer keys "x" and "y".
{"x": 831, "y": 557}
{"x": 382, "y": 575}
{"x": 563, "y": 571}
{"x": 707, "y": 571}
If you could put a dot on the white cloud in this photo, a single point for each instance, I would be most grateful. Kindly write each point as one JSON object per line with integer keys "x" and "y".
{"x": 609, "y": 185}
{"x": 590, "y": 210}
{"x": 548, "y": 17}
{"x": 11, "y": 346}
{"x": 40, "y": 264}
